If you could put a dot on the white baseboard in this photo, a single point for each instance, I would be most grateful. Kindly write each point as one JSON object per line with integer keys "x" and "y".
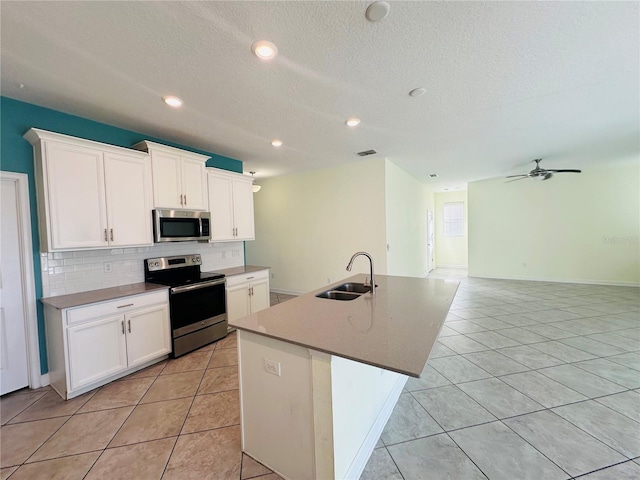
{"x": 44, "y": 381}
{"x": 558, "y": 280}
{"x": 462, "y": 267}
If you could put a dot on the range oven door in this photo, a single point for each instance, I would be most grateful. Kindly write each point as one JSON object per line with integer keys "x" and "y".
{"x": 194, "y": 307}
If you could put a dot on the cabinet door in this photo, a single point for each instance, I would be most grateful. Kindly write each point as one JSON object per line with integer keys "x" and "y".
{"x": 237, "y": 302}
{"x": 221, "y": 207}
{"x": 76, "y": 198}
{"x": 243, "y": 209}
{"x": 148, "y": 334}
{"x": 167, "y": 186}
{"x": 128, "y": 196}
{"x": 259, "y": 296}
{"x": 96, "y": 351}
{"x": 194, "y": 184}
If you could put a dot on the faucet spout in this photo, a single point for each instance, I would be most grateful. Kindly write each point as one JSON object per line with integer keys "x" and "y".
{"x": 350, "y": 265}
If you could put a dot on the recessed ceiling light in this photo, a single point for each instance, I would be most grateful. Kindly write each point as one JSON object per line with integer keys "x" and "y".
{"x": 264, "y": 49}
{"x": 172, "y": 101}
{"x": 353, "y": 122}
{"x": 377, "y": 11}
{"x": 416, "y": 92}
{"x": 276, "y": 143}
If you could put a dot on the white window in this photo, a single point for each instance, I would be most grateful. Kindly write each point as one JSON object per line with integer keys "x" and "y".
{"x": 454, "y": 219}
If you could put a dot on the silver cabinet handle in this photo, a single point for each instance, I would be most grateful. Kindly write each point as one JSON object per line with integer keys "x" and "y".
{"x": 181, "y": 203}
{"x": 105, "y": 235}
{"x": 185, "y": 198}
{"x": 122, "y": 323}
{"x": 127, "y": 305}
{"x": 129, "y": 325}
{"x": 111, "y": 231}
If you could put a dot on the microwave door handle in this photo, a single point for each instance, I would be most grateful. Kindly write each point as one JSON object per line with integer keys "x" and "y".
{"x": 200, "y": 224}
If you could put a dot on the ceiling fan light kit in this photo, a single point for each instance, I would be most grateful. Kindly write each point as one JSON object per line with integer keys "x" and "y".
{"x": 539, "y": 173}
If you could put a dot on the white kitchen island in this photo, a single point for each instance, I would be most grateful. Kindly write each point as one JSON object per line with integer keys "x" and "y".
{"x": 319, "y": 377}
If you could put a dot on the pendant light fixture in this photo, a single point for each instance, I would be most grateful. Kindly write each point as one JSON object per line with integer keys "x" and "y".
{"x": 256, "y": 188}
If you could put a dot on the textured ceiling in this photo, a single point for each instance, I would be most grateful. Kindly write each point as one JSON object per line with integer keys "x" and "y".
{"x": 506, "y": 82}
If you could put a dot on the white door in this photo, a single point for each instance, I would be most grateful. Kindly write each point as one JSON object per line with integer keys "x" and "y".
{"x": 430, "y": 240}
{"x": 148, "y": 334}
{"x": 167, "y": 186}
{"x": 237, "y": 302}
{"x": 221, "y": 207}
{"x": 96, "y": 350}
{"x": 128, "y": 194}
{"x": 75, "y": 179}
{"x": 259, "y": 296}
{"x": 194, "y": 184}
{"x": 13, "y": 341}
{"x": 243, "y": 209}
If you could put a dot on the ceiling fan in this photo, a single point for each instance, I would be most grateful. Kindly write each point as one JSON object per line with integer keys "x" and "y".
{"x": 540, "y": 173}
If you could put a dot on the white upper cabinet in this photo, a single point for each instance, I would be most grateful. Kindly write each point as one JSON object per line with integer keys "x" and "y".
{"x": 90, "y": 195}
{"x": 128, "y": 189}
{"x": 179, "y": 179}
{"x": 231, "y": 206}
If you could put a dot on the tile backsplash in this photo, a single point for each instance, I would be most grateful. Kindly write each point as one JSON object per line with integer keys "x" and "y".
{"x": 80, "y": 271}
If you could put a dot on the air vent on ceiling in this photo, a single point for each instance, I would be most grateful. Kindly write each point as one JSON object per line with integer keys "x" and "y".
{"x": 433, "y": 175}
{"x": 364, "y": 153}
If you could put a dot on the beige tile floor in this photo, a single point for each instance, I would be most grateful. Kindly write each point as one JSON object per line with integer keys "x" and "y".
{"x": 179, "y": 419}
{"x": 527, "y": 380}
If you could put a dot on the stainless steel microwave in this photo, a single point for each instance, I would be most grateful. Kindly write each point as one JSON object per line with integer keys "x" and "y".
{"x": 181, "y": 226}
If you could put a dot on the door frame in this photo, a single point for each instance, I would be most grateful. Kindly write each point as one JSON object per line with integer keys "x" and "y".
{"x": 21, "y": 181}
{"x": 430, "y": 233}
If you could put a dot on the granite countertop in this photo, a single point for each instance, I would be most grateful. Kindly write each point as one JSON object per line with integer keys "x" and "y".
{"x": 101, "y": 295}
{"x": 230, "y": 272}
{"x": 394, "y": 330}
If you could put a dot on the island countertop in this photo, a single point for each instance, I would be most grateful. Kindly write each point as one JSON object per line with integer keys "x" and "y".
{"x": 394, "y": 330}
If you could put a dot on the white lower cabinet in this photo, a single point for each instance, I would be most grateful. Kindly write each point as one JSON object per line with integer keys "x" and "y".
{"x": 247, "y": 293}
{"x": 97, "y": 350}
{"x": 94, "y": 344}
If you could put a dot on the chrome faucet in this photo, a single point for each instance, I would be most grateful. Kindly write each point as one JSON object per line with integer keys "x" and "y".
{"x": 373, "y": 282}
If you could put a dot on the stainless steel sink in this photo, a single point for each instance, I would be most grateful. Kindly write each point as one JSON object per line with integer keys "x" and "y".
{"x": 353, "y": 287}
{"x": 346, "y": 291}
{"x": 334, "y": 295}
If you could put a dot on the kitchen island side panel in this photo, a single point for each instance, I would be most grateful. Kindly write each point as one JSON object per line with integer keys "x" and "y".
{"x": 277, "y": 411}
{"x": 363, "y": 400}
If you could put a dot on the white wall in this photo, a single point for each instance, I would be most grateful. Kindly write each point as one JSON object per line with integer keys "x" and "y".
{"x": 573, "y": 227}
{"x": 450, "y": 251}
{"x": 407, "y": 201}
{"x": 309, "y": 224}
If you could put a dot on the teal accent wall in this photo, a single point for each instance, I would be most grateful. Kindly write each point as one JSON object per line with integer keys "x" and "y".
{"x": 16, "y": 155}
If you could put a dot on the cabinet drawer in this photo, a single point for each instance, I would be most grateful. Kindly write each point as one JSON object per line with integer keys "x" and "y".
{"x": 120, "y": 305}
{"x": 234, "y": 280}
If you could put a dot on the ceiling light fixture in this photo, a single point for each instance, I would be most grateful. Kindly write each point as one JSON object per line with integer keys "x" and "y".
{"x": 377, "y": 11}
{"x": 172, "y": 101}
{"x": 256, "y": 188}
{"x": 416, "y": 92}
{"x": 264, "y": 49}
{"x": 352, "y": 122}
{"x": 276, "y": 143}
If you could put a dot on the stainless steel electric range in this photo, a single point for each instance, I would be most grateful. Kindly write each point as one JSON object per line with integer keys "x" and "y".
{"x": 197, "y": 300}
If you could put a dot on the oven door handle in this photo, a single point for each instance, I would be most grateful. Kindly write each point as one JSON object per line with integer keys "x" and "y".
{"x": 196, "y": 286}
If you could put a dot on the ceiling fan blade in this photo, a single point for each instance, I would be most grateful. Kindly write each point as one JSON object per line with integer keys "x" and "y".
{"x": 516, "y": 179}
{"x": 565, "y": 171}
{"x": 513, "y": 176}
